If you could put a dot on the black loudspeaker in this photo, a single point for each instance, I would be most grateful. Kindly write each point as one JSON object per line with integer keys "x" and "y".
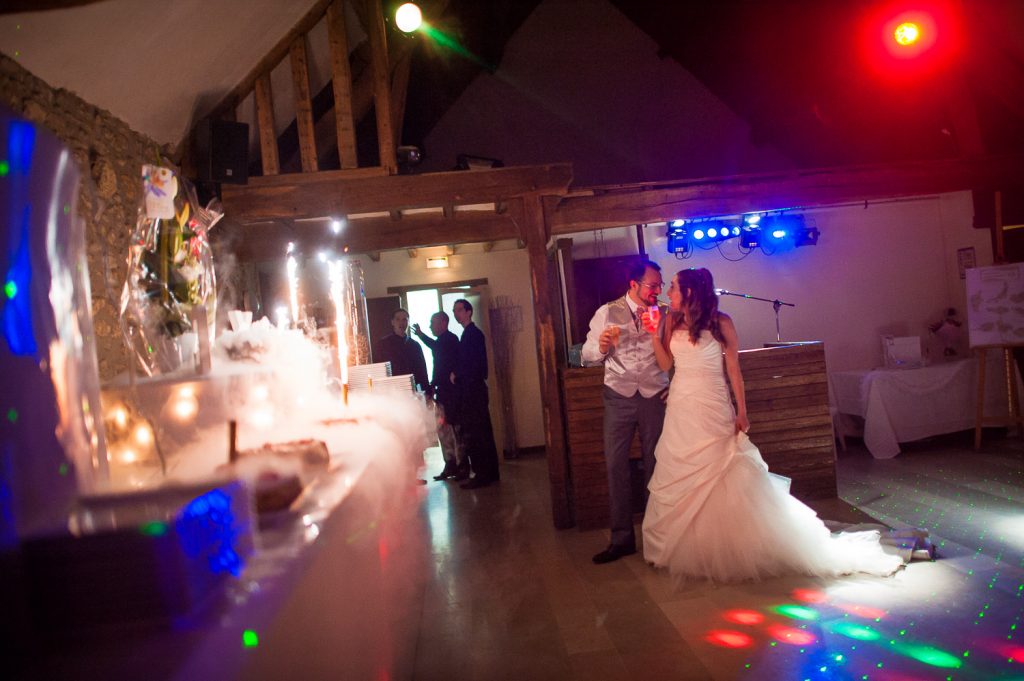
{"x": 222, "y": 151}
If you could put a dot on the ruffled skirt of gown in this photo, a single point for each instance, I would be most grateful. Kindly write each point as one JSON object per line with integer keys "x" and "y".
{"x": 715, "y": 513}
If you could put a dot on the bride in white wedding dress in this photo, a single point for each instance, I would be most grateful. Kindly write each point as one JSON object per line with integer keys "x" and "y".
{"x": 714, "y": 512}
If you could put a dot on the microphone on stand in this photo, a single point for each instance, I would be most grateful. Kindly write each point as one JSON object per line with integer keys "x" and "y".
{"x": 720, "y": 291}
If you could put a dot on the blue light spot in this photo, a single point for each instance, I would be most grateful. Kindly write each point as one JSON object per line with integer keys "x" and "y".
{"x": 17, "y": 313}
{"x": 21, "y": 139}
{"x": 207, "y": 528}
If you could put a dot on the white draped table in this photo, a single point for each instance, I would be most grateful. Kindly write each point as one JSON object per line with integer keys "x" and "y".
{"x": 903, "y": 405}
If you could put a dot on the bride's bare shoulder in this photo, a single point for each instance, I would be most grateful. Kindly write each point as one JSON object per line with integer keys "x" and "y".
{"x": 723, "y": 318}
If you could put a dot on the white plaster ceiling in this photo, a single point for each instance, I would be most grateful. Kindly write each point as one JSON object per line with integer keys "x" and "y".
{"x": 157, "y": 65}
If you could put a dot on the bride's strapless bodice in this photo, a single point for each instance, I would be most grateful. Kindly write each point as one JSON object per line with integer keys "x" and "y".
{"x": 698, "y": 367}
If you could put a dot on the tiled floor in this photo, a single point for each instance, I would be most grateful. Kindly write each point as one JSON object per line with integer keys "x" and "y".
{"x": 510, "y": 597}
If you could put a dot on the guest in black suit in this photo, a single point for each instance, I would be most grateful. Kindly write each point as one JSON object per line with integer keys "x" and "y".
{"x": 445, "y": 348}
{"x": 470, "y": 379}
{"x": 405, "y": 354}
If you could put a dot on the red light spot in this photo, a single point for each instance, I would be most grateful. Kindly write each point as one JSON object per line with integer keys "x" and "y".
{"x": 809, "y": 595}
{"x": 908, "y": 43}
{"x": 728, "y": 639}
{"x": 910, "y": 34}
{"x": 743, "y": 617}
{"x": 382, "y": 551}
{"x": 862, "y": 611}
{"x": 795, "y": 637}
{"x": 907, "y": 33}
{"x": 1012, "y": 652}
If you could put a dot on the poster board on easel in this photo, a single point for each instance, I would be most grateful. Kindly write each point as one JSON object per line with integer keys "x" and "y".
{"x": 995, "y": 320}
{"x": 995, "y": 305}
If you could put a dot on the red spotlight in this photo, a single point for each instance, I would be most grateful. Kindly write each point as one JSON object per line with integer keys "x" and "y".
{"x": 909, "y": 35}
{"x": 810, "y": 595}
{"x": 903, "y": 40}
{"x": 862, "y": 611}
{"x": 795, "y": 637}
{"x": 728, "y": 639}
{"x": 743, "y": 617}
{"x": 1011, "y": 652}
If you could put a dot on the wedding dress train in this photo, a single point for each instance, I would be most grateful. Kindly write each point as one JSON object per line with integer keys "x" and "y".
{"x": 714, "y": 511}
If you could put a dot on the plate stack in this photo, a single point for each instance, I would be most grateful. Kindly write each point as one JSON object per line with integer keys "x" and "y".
{"x": 395, "y": 385}
{"x": 359, "y": 376}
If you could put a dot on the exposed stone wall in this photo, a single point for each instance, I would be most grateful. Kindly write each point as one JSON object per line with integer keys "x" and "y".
{"x": 109, "y": 155}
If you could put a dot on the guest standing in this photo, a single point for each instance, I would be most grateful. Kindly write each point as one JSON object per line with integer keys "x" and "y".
{"x": 405, "y": 354}
{"x": 445, "y": 349}
{"x": 470, "y": 379}
{"x": 633, "y": 384}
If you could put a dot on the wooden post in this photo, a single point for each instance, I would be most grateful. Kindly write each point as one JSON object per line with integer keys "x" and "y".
{"x": 265, "y": 122}
{"x": 381, "y": 86}
{"x": 564, "y": 247}
{"x": 303, "y": 105}
{"x": 399, "y": 89}
{"x": 997, "y": 231}
{"x": 341, "y": 83}
{"x": 529, "y": 214}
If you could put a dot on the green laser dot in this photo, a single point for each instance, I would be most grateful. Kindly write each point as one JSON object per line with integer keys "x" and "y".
{"x": 250, "y": 639}
{"x": 63, "y": 470}
{"x": 155, "y": 528}
{"x": 5, "y": 168}
{"x": 12, "y": 415}
{"x": 10, "y": 289}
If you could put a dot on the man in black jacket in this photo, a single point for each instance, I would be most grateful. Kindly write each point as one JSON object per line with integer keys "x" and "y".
{"x": 445, "y": 348}
{"x": 405, "y": 354}
{"x": 470, "y": 378}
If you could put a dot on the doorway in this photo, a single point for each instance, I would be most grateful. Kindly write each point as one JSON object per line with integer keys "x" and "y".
{"x": 422, "y": 301}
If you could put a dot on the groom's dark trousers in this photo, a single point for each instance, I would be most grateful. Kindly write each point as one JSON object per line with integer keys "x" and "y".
{"x": 622, "y": 417}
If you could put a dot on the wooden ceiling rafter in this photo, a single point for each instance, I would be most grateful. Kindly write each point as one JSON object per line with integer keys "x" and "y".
{"x": 622, "y": 205}
{"x": 260, "y": 242}
{"x": 336, "y": 193}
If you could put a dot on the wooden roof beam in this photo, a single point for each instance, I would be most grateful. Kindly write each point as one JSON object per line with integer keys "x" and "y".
{"x": 381, "y": 86}
{"x": 333, "y": 193}
{"x": 660, "y": 202}
{"x": 341, "y": 84}
{"x": 303, "y": 105}
{"x": 369, "y": 235}
{"x": 271, "y": 59}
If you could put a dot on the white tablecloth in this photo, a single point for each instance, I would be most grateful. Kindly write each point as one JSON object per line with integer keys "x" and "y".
{"x": 902, "y": 405}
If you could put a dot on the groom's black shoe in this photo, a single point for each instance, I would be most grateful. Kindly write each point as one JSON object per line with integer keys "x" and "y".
{"x": 613, "y": 553}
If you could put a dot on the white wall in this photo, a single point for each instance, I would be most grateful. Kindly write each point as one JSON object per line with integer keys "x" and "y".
{"x": 889, "y": 268}
{"x": 507, "y": 271}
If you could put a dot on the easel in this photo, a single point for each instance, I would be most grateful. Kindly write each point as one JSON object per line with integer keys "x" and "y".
{"x": 1013, "y": 398}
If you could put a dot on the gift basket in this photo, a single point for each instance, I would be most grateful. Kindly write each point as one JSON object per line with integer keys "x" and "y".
{"x": 169, "y": 295}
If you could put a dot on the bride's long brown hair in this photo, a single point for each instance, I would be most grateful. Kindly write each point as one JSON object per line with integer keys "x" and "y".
{"x": 700, "y": 303}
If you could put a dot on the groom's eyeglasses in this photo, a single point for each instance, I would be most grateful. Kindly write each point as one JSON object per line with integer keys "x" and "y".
{"x": 655, "y": 286}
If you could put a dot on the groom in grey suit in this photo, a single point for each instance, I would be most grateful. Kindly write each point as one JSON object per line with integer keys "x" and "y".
{"x": 633, "y": 387}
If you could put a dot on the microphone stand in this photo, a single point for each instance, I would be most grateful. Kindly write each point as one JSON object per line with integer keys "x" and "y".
{"x": 776, "y": 304}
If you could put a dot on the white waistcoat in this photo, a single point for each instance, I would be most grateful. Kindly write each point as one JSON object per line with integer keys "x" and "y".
{"x": 631, "y": 366}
